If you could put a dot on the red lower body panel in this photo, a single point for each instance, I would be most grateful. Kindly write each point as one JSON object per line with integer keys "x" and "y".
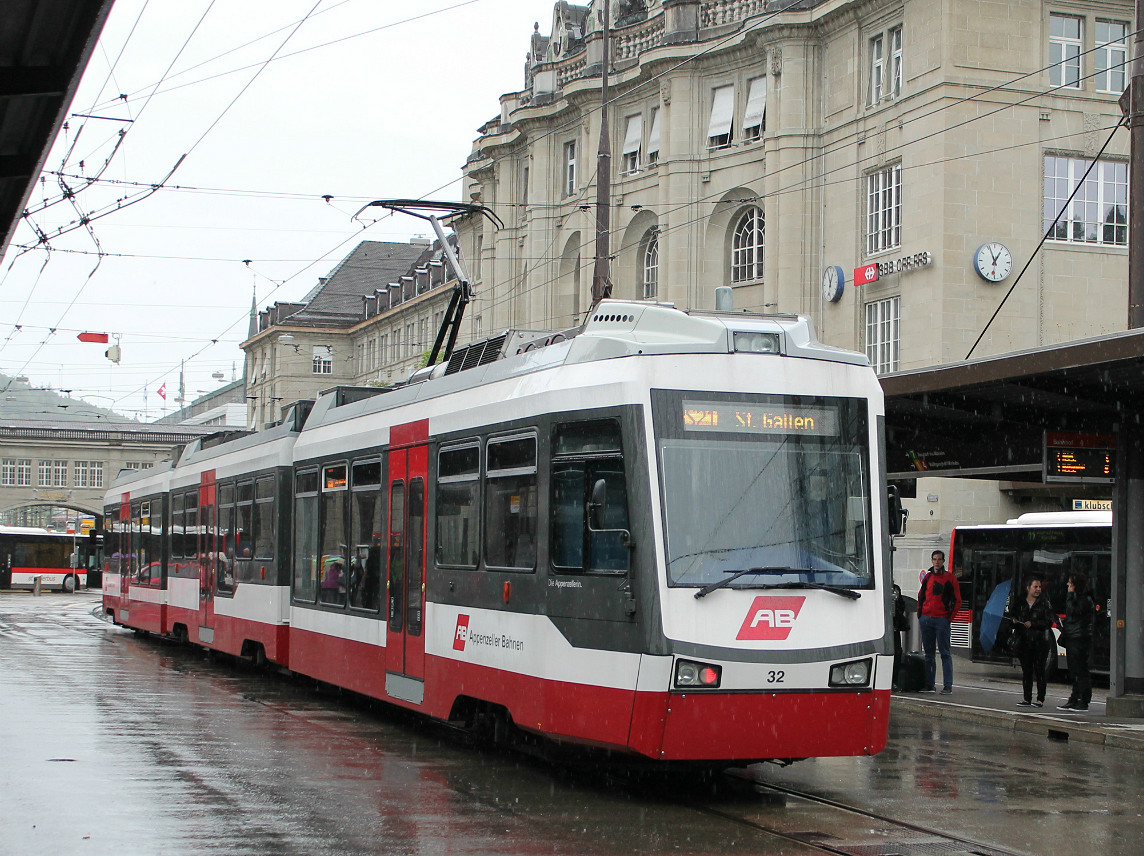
{"x": 355, "y": 666}
{"x": 746, "y": 726}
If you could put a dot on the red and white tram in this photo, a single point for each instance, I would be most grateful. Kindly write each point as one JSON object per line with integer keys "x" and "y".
{"x": 664, "y": 536}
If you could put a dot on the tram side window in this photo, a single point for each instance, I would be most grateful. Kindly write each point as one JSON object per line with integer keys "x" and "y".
{"x": 138, "y": 566}
{"x": 458, "y": 501}
{"x": 244, "y": 571}
{"x": 332, "y": 588}
{"x": 224, "y": 564}
{"x": 510, "y": 503}
{"x": 151, "y": 541}
{"x": 175, "y": 536}
{"x": 365, "y": 528}
{"x": 112, "y": 538}
{"x": 265, "y": 519}
{"x": 585, "y": 453}
{"x": 306, "y": 536}
{"x": 190, "y": 568}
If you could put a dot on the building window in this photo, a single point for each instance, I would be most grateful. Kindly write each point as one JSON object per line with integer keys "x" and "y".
{"x": 896, "y": 61}
{"x": 633, "y": 142}
{"x": 570, "y": 168}
{"x": 877, "y": 67}
{"x": 410, "y": 344}
{"x": 747, "y": 246}
{"x": 650, "y": 264}
{"x": 1111, "y": 56}
{"x": 653, "y": 139}
{"x": 719, "y": 131}
{"x": 882, "y": 334}
{"x": 1064, "y": 51}
{"x": 397, "y": 355}
{"x": 755, "y": 116}
{"x": 884, "y": 210}
{"x": 53, "y": 474}
{"x": 16, "y": 472}
{"x": 323, "y": 359}
{"x": 478, "y": 252}
{"x": 88, "y": 473}
{"x": 1098, "y": 214}
{"x": 383, "y": 349}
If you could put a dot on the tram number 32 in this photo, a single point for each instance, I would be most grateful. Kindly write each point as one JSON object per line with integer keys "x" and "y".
{"x": 775, "y": 677}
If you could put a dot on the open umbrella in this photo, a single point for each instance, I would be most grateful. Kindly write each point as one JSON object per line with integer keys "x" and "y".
{"x": 992, "y": 614}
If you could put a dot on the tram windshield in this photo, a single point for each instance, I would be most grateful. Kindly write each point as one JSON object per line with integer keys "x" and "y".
{"x": 764, "y": 491}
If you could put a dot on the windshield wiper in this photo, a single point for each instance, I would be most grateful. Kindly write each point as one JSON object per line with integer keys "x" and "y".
{"x": 838, "y": 590}
{"x": 849, "y": 594}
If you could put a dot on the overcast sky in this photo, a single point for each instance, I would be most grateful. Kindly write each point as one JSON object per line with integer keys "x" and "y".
{"x": 275, "y": 103}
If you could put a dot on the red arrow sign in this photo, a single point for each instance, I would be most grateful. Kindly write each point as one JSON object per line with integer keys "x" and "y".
{"x": 93, "y": 337}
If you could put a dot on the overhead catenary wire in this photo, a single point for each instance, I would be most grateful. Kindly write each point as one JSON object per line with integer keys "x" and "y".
{"x": 514, "y": 277}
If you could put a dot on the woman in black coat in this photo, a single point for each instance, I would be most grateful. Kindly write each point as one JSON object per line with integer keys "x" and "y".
{"x": 1080, "y": 616}
{"x": 1032, "y": 619}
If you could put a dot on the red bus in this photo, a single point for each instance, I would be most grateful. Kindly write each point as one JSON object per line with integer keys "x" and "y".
{"x": 61, "y": 561}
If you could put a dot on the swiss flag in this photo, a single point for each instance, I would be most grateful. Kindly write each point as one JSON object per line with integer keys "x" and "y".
{"x": 162, "y": 392}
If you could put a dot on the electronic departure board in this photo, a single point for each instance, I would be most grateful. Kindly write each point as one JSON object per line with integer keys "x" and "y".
{"x": 1071, "y": 457}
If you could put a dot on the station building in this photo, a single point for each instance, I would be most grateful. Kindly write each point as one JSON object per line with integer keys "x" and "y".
{"x": 887, "y": 168}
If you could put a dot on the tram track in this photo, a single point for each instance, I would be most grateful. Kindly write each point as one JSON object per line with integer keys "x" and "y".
{"x": 881, "y": 836}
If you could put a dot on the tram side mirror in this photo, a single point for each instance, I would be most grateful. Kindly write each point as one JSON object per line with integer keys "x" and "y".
{"x": 598, "y": 505}
{"x": 597, "y": 513}
{"x": 898, "y": 515}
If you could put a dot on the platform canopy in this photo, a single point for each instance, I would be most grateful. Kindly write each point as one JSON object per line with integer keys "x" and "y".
{"x": 44, "y": 48}
{"x": 987, "y": 418}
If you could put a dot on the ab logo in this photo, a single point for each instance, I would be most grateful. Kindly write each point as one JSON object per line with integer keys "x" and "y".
{"x": 461, "y": 634}
{"x": 770, "y": 618}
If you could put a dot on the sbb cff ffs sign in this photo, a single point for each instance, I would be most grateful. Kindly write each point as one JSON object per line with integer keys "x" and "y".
{"x": 1079, "y": 458}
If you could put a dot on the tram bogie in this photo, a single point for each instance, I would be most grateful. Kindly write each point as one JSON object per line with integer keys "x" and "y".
{"x": 662, "y": 536}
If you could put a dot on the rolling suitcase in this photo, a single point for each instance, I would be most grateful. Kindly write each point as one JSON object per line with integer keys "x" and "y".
{"x": 913, "y": 676}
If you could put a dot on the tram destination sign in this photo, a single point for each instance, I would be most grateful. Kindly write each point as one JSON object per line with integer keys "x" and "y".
{"x": 737, "y": 418}
{"x": 1079, "y": 458}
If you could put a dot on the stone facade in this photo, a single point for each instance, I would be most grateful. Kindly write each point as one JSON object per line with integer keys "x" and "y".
{"x": 758, "y": 144}
{"x": 55, "y": 464}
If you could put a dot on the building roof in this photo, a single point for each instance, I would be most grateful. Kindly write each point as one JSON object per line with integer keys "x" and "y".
{"x": 30, "y": 429}
{"x": 44, "y": 48}
{"x": 337, "y": 298}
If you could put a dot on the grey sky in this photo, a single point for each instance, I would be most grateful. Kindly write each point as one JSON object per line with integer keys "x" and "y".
{"x": 364, "y": 99}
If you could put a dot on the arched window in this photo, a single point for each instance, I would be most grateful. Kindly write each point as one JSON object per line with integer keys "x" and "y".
{"x": 747, "y": 247}
{"x": 650, "y": 264}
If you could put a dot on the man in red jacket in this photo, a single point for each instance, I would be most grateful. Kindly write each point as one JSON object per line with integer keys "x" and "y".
{"x": 938, "y": 599}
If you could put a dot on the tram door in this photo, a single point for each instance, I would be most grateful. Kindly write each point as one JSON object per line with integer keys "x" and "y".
{"x": 207, "y": 555}
{"x": 405, "y": 562}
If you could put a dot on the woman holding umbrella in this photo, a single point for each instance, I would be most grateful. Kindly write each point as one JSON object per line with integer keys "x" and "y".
{"x": 1032, "y": 619}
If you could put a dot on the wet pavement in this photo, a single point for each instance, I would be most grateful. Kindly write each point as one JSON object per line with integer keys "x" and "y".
{"x": 987, "y": 693}
{"x": 115, "y": 744}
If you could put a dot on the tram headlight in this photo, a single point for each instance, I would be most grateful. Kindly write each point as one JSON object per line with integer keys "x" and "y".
{"x": 752, "y": 342}
{"x": 692, "y": 675}
{"x": 853, "y": 674}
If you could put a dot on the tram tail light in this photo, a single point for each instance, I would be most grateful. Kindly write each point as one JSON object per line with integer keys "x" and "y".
{"x": 853, "y": 674}
{"x": 692, "y": 675}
